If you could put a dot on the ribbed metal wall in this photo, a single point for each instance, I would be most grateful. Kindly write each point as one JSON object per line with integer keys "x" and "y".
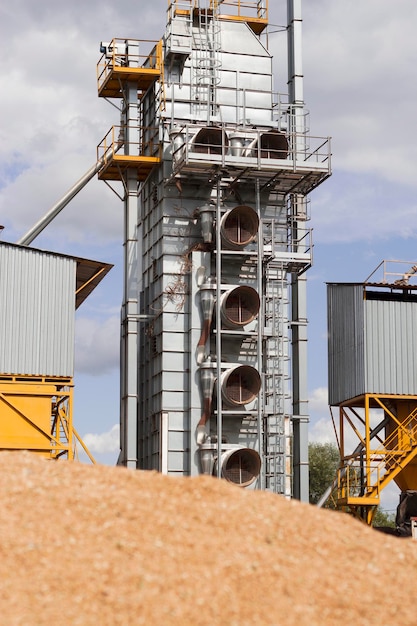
{"x": 372, "y": 344}
{"x": 345, "y": 315}
{"x": 391, "y": 347}
{"x": 37, "y": 305}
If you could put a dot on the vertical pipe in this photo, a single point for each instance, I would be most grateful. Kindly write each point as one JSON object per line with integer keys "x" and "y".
{"x": 298, "y": 284}
{"x": 367, "y": 442}
{"x": 261, "y": 323}
{"x": 163, "y": 456}
{"x": 129, "y": 348}
{"x": 218, "y": 331}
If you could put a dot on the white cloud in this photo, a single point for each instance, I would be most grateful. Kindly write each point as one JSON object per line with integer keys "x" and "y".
{"x": 363, "y": 208}
{"x": 321, "y": 431}
{"x": 104, "y": 442}
{"x": 319, "y": 400}
{"x": 358, "y": 59}
{"x": 97, "y": 345}
{"x": 321, "y": 427}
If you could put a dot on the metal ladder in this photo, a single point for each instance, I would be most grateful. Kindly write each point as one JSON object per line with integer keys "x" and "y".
{"x": 276, "y": 356}
{"x": 205, "y": 70}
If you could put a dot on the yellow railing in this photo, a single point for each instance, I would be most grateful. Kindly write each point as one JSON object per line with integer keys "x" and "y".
{"x": 367, "y": 480}
{"x": 239, "y": 8}
{"x": 117, "y": 55}
{"x": 146, "y": 142}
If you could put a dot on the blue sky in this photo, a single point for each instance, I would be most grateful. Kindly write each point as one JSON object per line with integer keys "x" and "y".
{"x": 360, "y": 88}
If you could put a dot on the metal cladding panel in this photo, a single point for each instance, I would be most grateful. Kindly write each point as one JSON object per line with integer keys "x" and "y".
{"x": 390, "y": 347}
{"x": 345, "y": 314}
{"x": 37, "y": 312}
{"x": 232, "y": 35}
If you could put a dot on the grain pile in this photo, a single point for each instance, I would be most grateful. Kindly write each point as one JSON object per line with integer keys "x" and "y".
{"x": 108, "y": 546}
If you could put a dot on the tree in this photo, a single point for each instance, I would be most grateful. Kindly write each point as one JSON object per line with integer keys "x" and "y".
{"x": 324, "y": 460}
{"x": 383, "y": 519}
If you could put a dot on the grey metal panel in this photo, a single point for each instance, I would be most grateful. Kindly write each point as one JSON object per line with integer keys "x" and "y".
{"x": 232, "y": 35}
{"x": 175, "y": 361}
{"x": 372, "y": 344}
{"x": 178, "y": 440}
{"x": 345, "y": 316}
{"x": 175, "y": 381}
{"x": 37, "y": 312}
{"x": 178, "y": 462}
{"x": 173, "y": 342}
{"x": 390, "y": 347}
{"x": 178, "y": 421}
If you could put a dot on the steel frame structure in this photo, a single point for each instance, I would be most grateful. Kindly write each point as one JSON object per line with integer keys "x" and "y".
{"x": 227, "y": 156}
{"x": 386, "y": 450}
{"x": 36, "y": 415}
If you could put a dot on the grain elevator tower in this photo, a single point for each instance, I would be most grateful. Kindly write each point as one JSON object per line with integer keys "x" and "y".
{"x": 215, "y": 168}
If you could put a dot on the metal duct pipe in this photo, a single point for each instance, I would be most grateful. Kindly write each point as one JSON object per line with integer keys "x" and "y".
{"x": 210, "y": 140}
{"x": 207, "y": 379}
{"x": 27, "y": 239}
{"x": 207, "y": 307}
{"x": 239, "y": 306}
{"x": 207, "y": 458}
{"x": 240, "y": 466}
{"x": 273, "y": 145}
{"x": 240, "y": 385}
{"x": 177, "y": 138}
{"x": 239, "y": 227}
{"x": 207, "y": 213}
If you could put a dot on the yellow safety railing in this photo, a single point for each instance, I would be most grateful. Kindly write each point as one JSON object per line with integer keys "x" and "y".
{"x": 145, "y": 144}
{"x": 239, "y": 8}
{"x": 118, "y": 55}
{"x": 368, "y": 479}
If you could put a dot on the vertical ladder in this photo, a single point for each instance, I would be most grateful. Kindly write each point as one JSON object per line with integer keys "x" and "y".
{"x": 275, "y": 428}
{"x": 205, "y": 70}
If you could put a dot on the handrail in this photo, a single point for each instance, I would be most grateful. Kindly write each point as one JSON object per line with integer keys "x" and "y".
{"x": 257, "y": 9}
{"x": 384, "y": 461}
{"x": 253, "y": 148}
{"x": 117, "y": 55}
{"x": 147, "y": 143}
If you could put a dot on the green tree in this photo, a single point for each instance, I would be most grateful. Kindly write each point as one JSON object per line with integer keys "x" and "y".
{"x": 324, "y": 460}
{"x": 382, "y": 519}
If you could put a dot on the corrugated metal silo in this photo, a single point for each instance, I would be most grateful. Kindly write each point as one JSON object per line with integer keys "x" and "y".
{"x": 372, "y": 348}
{"x": 39, "y": 293}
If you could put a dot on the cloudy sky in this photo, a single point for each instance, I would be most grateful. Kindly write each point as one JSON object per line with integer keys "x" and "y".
{"x": 360, "y": 88}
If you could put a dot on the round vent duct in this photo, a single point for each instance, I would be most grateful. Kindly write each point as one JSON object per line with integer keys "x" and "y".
{"x": 239, "y": 227}
{"x": 239, "y": 306}
{"x": 240, "y": 466}
{"x": 274, "y": 145}
{"x": 240, "y": 385}
{"x": 210, "y": 140}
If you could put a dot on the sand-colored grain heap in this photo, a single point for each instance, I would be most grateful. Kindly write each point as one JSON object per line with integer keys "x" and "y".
{"x": 108, "y": 546}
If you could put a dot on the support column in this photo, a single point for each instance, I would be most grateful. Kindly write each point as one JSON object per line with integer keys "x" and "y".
{"x": 129, "y": 320}
{"x": 298, "y": 284}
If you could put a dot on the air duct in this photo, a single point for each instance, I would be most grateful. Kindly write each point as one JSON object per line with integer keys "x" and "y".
{"x": 239, "y": 227}
{"x": 240, "y": 385}
{"x": 207, "y": 306}
{"x": 207, "y": 458}
{"x": 177, "y": 138}
{"x": 240, "y": 466}
{"x": 207, "y": 213}
{"x": 210, "y": 140}
{"x": 270, "y": 145}
{"x": 239, "y": 306}
{"x": 274, "y": 145}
